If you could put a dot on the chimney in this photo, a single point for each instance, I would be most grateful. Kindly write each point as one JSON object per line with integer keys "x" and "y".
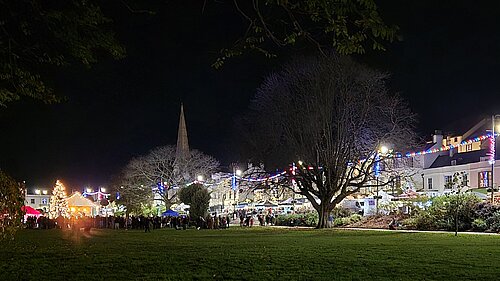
{"x": 438, "y": 137}
{"x": 452, "y": 152}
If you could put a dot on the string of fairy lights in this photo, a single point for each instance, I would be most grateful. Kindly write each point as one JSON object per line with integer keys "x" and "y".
{"x": 235, "y": 178}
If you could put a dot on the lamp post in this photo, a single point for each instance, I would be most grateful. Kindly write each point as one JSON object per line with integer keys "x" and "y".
{"x": 383, "y": 150}
{"x": 234, "y": 183}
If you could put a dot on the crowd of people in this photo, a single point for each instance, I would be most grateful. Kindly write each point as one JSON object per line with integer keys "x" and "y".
{"x": 145, "y": 223}
{"x": 247, "y": 219}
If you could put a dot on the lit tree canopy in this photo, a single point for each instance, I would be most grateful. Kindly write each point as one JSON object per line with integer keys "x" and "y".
{"x": 161, "y": 170}
{"x": 198, "y": 199}
{"x": 11, "y": 201}
{"x": 58, "y": 204}
{"x": 331, "y": 115}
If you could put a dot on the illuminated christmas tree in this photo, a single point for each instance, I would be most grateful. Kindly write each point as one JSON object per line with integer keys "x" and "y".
{"x": 58, "y": 204}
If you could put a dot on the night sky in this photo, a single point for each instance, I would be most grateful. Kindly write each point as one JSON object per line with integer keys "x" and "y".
{"x": 447, "y": 67}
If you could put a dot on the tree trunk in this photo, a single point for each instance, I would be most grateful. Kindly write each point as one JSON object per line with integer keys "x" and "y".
{"x": 323, "y": 214}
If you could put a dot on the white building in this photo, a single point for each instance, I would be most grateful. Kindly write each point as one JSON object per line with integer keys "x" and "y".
{"x": 38, "y": 199}
{"x": 471, "y": 153}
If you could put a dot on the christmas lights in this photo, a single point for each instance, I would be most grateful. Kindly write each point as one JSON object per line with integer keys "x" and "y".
{"x": 448, "y": 147}
{"x": 58, "y": 205}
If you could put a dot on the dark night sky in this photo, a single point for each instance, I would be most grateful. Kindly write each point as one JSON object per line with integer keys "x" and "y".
{"x": 447, "y": 67}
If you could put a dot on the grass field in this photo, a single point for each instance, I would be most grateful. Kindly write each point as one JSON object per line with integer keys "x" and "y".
{"x": 248, "y": 254}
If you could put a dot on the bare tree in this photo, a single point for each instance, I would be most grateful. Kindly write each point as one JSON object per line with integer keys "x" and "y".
{"x": 134, "y": 191}
{"x": 162, "y": 172}
{"x": 330, "y": 116}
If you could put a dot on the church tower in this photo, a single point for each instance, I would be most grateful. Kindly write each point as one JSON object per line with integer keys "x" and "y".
{"x": 182, "y": 137}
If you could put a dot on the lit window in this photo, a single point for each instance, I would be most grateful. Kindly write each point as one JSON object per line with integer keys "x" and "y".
{"x": 465, "y": 180}
{"x": 44, "y": 201}
{"x": 448, "y": 181}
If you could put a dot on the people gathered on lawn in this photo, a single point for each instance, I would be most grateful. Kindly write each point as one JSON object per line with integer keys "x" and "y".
{"x": 148, "y": 223}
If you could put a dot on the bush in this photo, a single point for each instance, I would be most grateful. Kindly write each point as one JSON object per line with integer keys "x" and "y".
{"x": 479, "y": 225}
{"x": 355, "y": 218}
{"x": 485, "y": 210}
{"x": 308, "y": 219}
{"x": 409, "y": 223}
{"x": 340, "y": 212}
{"x": 425, "y": 221}
{"x": 338, "y": 222}
{"x": 493, "y": 222}
{"x": 442, "y": 213}
{"x": 311, "y": 219}
{"x": 347, "y": 221}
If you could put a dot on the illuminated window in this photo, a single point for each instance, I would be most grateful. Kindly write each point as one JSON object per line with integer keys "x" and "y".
{"x": 465, "y": 180}
{"x": 484, "y": 179}
{"x": 448, "y": 181}
{"x": 44, "y": 201}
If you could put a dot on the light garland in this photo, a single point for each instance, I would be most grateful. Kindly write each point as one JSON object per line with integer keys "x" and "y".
{"x": 261, "y": 179}
{"x": 234, "y": 178}
{"x": 492, "y": 151}
{"x": 94, "y": 193}
{"x": 448, "y": 147}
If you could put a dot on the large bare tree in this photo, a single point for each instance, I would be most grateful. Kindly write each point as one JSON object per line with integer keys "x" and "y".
{"x": 330, "y": 116}
{"x": 161, "y": 171}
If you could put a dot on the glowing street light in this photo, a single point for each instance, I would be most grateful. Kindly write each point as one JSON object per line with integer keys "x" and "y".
{"x": 200, "y": 178}
{"x": 89, "y": 190}
{"x": 384, "y": 149}
{"x": 44, "y": 192}
{"x": 37, "y": 191}
{"x": 103, "y": 189}
{"x": 239, "y": 172}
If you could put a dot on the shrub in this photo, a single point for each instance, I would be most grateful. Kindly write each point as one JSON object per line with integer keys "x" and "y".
{"x": 308, "y": 219}
{"x": 409, "y": 223}
{"x": 443, "y": 212}
{"x": 484, "y": 210}
{"x": 340, "y": 212}
{"x": 355, "y": 218}
{"x": 311, "y": 219}
{"x": 347, "y": 221}
{"x": 493, "y": 222}
{"x": 479, "y": 225}
{"x": 338, "y": 222}
{"x": 425, "y": 221}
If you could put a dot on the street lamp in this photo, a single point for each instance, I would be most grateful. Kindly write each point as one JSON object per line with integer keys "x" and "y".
{"x": 382, "y": 151}
{"x": 200, "y": 178}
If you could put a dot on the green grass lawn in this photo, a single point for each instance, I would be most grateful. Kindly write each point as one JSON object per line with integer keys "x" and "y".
{"x": 249, "y": 254}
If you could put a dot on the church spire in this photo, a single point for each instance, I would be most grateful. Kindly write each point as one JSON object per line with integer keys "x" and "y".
{"x": 182, "y": 137}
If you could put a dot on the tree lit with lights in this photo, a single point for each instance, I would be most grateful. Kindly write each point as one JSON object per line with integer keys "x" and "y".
{"x": 58, "y": 204}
